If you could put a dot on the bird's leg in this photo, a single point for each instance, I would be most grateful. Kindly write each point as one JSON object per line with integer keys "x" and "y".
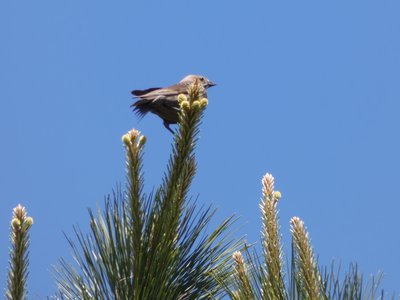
{"x": 166, "y": 125}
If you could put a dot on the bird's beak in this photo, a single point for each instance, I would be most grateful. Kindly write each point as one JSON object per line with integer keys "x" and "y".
{"x": 210, "y": 84}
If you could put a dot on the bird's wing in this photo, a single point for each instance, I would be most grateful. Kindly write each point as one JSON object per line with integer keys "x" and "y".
{"x": 163, "y": 93}
{"x": 166, "y": 102}
{"x": 153, "y": 93}
{"x": 179, "y": 88}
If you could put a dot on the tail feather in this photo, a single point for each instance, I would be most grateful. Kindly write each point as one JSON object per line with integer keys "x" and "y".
{"x": 141, "y": 108}
{"x": 138, "y": 93}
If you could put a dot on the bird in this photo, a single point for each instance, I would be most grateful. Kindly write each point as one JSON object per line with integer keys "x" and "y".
{"x": 164, "y": 101}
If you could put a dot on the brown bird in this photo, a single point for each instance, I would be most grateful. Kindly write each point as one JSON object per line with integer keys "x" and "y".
{"x": 164, "y": 101}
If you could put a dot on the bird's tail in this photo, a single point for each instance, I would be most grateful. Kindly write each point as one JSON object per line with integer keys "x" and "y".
{"x": 141, "y": 107}
{"x": 139, "y": 93}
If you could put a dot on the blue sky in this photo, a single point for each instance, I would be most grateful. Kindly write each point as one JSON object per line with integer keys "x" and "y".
{"x": 307, "y": 90}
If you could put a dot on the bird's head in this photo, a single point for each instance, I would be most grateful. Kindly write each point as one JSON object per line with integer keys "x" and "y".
{"x": 205, "y": 82}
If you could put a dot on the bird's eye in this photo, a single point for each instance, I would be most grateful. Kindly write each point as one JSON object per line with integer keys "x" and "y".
{"x": 202, "y": 78}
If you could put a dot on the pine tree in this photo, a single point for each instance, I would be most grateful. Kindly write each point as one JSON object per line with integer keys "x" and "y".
{"x": 151, "y": 246}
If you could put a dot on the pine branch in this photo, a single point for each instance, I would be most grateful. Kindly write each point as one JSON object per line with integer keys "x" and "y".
{"x": 18, "y": 269}
{"x": 308, "y": 277}
{"x": 134, "y": 144}
{"x": 273, "y": 285}
{"x": 244, "y": 289}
